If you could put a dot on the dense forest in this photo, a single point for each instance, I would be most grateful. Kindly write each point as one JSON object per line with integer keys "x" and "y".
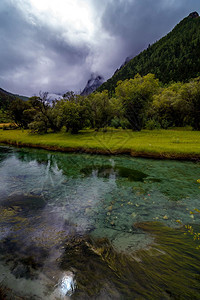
{"x": 141, "y": 102}
{"x": 6, "y": 99}
{"x": 175, "y": 57}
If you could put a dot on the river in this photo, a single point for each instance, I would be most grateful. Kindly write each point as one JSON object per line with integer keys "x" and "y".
{"x": 97, "y": 227}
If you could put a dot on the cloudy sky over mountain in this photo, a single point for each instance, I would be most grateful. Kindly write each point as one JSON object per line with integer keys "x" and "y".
{"x": 54, "y": 45}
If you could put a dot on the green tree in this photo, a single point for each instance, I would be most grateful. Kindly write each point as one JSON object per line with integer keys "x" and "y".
{"x": 136, "y": 95}
{"x": 101, "y": 109}
{"x": 71, "y": 112}
{"x": 45, "y": 115}
{"x": 17, "y": 113}
{"x": 169, "y": 109}
{"x": 190, "y": 96}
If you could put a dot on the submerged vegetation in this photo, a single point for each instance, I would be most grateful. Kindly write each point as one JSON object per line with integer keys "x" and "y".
{"x": 109, "y": 220}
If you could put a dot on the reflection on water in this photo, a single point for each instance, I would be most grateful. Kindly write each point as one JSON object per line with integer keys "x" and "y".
{"x": 113, "y": 172}
{"x": 97, "y": 227}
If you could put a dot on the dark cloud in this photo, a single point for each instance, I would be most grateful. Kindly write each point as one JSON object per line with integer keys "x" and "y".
{"x": 36, "y": 57}
{"x": 38, "y": 53}
{"x": 139, "y": 23}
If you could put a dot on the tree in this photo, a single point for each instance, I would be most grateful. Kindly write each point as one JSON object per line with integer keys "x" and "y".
{"x": 45, "y": 114}
{"x": 136, "y": 95}
{"x": 190, "y": 95}
{"x": 71, "y": 112}
{"x": 100, "y": 109}
{"x": 169, "y": 108}
{"x": 17, "y": 113}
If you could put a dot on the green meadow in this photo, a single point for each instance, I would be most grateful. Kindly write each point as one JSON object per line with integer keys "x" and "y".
{"x": 177, "y": 143}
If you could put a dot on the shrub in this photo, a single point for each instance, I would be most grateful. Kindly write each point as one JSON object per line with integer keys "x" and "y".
{"x": 115, "y": 122}
{"x": 152, "y": 124}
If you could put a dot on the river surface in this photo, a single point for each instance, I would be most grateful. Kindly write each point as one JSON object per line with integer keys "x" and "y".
{"x": 97, "y": 227}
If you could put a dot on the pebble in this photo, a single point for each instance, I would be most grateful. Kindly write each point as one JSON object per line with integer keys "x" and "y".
{"x": 109, "y": 208}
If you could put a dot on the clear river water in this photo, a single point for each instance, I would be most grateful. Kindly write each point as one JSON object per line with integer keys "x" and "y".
{"x": 97, "y": 227}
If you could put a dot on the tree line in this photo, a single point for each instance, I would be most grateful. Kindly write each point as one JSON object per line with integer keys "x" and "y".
{"x": 141, "y": 102}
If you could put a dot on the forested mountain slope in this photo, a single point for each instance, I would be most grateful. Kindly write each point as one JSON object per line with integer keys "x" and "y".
{"x": 175, "y": 57}
{"x": 6, "y": 98}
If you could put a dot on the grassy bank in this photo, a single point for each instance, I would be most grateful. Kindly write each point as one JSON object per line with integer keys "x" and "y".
{"x": 177, "y": 144}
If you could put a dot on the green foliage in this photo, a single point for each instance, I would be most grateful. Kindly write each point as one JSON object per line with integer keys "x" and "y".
{"x": 125, "y": 124}
{"x": 38, "y": 126}
{"x": 71, "y": 116}
{"x": 115, "y": 122}
{"x": 190, "y": 95}
{"x": 4, "y": 117}
{"x": 71, "y": 112}
{"x": 138, "y": 103}
{"x": 136, "y": 95}
{"x": 176, "y": 57}
{"x": 5, "y": 99}
{"x": 101, "y": 109}
{"x": 169, "y": 107}
{"x": 44, "y": 115}
{"x": 16, "y": 111}
{"x": 177, "y": 105}
{"x": 152, "y": 124}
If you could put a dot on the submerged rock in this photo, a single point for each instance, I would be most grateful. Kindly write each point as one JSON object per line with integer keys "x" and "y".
{"x": 25, "y": 201}
{"x": 66, "y": 285}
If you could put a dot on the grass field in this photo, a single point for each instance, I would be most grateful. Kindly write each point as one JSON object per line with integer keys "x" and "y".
{"x": 157, "y": 143}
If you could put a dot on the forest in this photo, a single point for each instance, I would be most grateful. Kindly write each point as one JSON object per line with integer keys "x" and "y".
{"x": 175, "y": 57}
{"x": 139, "y": 103}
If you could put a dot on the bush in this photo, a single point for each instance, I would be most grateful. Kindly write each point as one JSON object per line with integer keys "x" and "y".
{"x": 125, "y": 124}
{"x": 165, "y": 124}
{"x": 115, "y": 123}
{"x": 152, "y": 124}
{"x": 38, "y": 127}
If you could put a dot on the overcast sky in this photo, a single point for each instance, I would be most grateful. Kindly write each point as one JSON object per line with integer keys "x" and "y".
{"x": 55, "y": 45}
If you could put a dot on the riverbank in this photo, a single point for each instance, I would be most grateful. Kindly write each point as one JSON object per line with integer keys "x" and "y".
{"x": 163, "y": 144}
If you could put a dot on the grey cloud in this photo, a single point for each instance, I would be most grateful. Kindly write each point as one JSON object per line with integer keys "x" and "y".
{"x": 37, "y": 56}
{"x": 142, "y": 22}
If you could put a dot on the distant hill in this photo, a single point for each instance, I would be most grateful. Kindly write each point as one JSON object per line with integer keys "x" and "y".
{"x": 6, "y": 98}
{"x": 93, "y": 83}
{"x": 175, "y": 57}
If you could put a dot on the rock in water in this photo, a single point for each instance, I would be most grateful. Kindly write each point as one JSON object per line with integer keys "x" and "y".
{"x": 66, "y": 285}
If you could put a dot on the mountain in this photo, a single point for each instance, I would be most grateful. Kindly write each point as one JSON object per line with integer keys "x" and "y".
{"x": 175, "y": 57}
{"x": 93, "y": 83}
{"x": 6, "y": 98}
{"x": 124, "y": 63}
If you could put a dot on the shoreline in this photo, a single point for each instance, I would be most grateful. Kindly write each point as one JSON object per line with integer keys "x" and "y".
{"x": 130, "y": 152}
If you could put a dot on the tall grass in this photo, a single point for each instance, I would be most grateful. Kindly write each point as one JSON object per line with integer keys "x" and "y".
{"x": 162, "y": 143}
